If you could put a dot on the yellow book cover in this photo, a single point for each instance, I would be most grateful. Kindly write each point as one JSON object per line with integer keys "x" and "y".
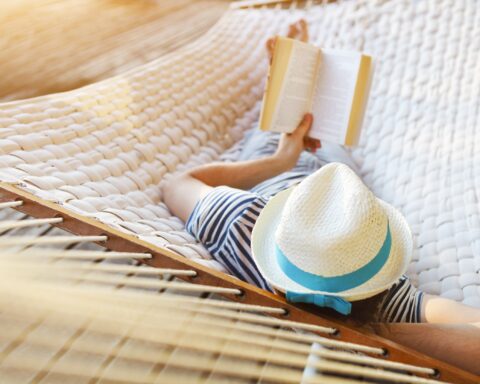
{"x": 333, "y": 85}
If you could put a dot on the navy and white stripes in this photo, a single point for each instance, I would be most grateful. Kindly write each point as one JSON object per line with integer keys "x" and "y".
{"x": 223, "y": 221}
{"x": 402, "y": 303}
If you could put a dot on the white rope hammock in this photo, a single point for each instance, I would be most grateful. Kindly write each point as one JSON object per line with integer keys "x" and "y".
{"x": 103, "y": 150}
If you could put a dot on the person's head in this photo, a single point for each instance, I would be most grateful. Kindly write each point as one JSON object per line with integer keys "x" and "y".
{"x": 329, "y": 241}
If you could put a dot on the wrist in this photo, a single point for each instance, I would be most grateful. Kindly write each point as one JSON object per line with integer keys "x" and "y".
{"x": 280, "y": 162}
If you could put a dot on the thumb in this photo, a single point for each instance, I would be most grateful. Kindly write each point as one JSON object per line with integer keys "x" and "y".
{"x": 304, "y": 125}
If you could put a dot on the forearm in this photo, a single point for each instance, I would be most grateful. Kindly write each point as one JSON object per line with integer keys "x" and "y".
{"x": 242, "y": 175}
{"x": 456, "y": 344}
{"x": 437, "y": 309}
{"x": 183, "y": 192}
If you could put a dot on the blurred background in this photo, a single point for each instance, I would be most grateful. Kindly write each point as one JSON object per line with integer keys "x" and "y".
{"x": 51, "y": 46}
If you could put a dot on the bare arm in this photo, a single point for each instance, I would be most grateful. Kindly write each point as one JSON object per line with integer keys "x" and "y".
{"x": 456, "y": 344}
{"x": 436, "y": 309}
{"x": 450, "y": 331}
{"x": 247, "y": 174}
{"x": 242, "y": 174}
{"x": 183, "y": 192}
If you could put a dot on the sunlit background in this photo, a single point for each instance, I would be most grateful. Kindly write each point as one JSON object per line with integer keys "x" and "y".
{"x": 56, "y": 45}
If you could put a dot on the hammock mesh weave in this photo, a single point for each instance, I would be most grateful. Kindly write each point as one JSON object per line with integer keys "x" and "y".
{"x": 104, "y": 150}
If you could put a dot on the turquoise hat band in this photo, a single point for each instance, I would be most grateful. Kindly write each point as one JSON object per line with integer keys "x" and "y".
{"x": 336, "y": 283}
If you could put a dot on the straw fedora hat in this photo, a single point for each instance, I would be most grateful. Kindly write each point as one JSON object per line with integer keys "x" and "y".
{"x": 330, "y": 241}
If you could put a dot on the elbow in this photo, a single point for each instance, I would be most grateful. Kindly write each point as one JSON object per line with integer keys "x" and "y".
{"x": 170, "y": 189}
{"x": 174, "y": 189}
{"x": 181, "y": 193}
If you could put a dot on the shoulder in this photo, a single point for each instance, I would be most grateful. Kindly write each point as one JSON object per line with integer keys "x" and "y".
{"x": 220, "y": 209}
{"x": 402, "y": 302}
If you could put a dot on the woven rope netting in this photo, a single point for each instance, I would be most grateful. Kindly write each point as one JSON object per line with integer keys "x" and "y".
{"x": 104, "y": 150}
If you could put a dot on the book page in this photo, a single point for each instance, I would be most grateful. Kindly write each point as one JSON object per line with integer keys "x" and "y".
{"x": 296, "y": 95}
{"x": 333, "y": 95}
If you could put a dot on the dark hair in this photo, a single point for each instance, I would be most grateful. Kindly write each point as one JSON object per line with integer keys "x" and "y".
{"x": 368, "y": 310}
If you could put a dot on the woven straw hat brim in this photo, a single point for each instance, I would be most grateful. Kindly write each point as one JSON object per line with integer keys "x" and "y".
{"x": 263, "y": 251}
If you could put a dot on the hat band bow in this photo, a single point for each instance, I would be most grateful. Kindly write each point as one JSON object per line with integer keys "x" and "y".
{"x": 337, "y": 303}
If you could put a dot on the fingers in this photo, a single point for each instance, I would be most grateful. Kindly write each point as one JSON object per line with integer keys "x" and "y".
{"x": 304, "y": 125}
{"x": 311, "y": 144}
{"x": 271, "y": 47}
{"x": 270, "y": 43}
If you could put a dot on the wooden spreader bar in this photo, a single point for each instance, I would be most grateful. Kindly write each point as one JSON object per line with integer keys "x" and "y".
{"x": 249, "y": 294}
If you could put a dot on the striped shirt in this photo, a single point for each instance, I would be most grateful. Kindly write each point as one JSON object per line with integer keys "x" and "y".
{"x": 223, "y": 222}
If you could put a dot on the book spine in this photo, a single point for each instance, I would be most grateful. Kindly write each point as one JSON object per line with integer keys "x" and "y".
{"x": 262, "y": 122}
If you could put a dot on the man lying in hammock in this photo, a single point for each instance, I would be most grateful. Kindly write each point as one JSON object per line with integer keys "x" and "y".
{"x": 317, "y": 233}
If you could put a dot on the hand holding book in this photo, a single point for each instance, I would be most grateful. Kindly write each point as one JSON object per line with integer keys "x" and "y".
{"x": 291, "y": 145}
{"x": 334, "y": 85}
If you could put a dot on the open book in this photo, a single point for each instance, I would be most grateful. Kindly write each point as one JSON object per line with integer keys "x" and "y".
{"x": 333, "y": 85}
